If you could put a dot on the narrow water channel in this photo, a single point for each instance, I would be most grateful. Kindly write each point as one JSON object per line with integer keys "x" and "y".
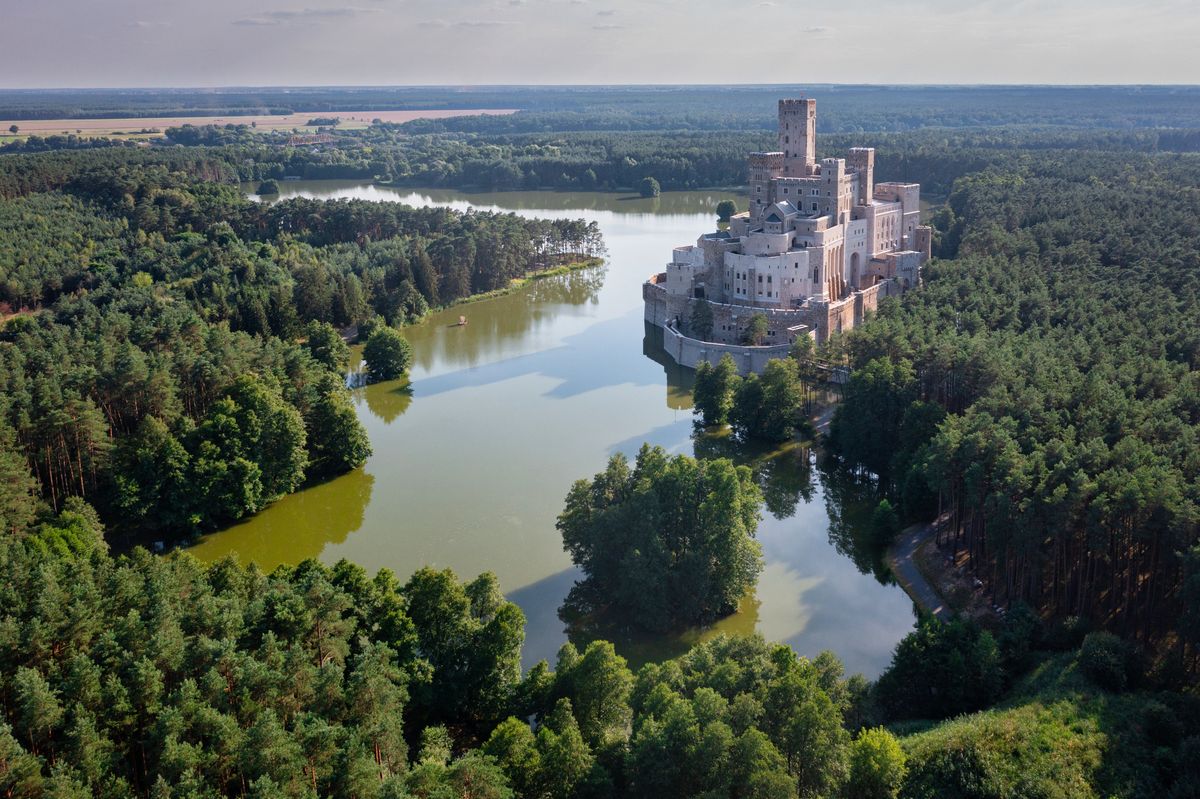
{"x": 474, "y": 454}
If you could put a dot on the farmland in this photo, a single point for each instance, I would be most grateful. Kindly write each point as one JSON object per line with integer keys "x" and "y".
{"x": 136, "y": 126}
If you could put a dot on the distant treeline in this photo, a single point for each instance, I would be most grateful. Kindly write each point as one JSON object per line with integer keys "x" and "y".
{"x": 842, "y": 108}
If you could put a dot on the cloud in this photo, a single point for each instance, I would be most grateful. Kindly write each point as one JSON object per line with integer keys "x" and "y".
{"x": 143, "y": 24}
{"x": 467, "y": 23}
{"x": 608, "y": 12}
{"x": 607, "y": 27}
{"x": 303, "y": 15}
{"x": 817, "y": 30}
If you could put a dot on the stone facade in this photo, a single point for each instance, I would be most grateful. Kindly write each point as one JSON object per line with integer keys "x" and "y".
{"x": 819, "y": 245}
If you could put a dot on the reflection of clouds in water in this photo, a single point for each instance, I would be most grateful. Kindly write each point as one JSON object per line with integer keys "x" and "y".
{"x": 788, "y": 617}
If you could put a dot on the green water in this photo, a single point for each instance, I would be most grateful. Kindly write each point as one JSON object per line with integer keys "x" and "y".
{"x": 476, "y": 451}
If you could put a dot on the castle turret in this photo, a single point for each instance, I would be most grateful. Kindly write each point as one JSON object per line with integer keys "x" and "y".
{"x": 861, "y": 161}
{"x": 764, "y": 167}
{"x": 798, "y": 136}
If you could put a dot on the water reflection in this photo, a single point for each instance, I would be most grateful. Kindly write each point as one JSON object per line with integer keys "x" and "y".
{"x": 386, "y": 401}
{"x": 850, "y": 501}
{"x": 501, "y": 327}
{"x": 475, "y": 453}
{"x": 299, "y": 526}
{"x": 680, "y": 379}
{"x": 783, "y": 472}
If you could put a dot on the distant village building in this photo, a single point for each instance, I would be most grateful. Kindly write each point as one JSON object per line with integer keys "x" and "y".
{"x": 821, "y": 243}
{"x": 310, "y": 139}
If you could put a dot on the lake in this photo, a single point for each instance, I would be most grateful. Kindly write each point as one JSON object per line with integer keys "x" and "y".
{"x": 475, "y": 453}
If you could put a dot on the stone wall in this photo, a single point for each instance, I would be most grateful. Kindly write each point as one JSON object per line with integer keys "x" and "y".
{"x": 690, "y": 352}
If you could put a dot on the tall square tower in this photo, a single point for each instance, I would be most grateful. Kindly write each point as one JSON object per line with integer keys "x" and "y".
{"x": 798, "y": 136}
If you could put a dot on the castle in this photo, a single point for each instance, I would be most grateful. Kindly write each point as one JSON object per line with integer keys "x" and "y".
{"x": 820, "y": 244}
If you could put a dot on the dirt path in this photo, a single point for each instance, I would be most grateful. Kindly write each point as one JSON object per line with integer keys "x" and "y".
{"x": 902, "y": 558}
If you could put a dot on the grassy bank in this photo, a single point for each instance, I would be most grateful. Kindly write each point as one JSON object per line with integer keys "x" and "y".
{"x": 520, "y": 282}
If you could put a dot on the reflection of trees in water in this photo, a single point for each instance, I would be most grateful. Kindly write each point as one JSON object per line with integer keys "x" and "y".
{"x": 495, "y": 322}
{"x": 669, "y": 202}
{"x": 573, "y": 288}
{"x": 589, "y": 619}
{"x": 298, "y": 526}
{"x": 783, "y": 471}
{"x": 850, "y": 500}
{"x": 387, "y": 400}
{"x": 335, "y": 508}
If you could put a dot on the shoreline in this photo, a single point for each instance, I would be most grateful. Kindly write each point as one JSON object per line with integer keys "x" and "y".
{"x": 518, "y": 283}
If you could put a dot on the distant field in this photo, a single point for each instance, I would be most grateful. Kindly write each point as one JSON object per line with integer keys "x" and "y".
{"x": 130, "y": 125}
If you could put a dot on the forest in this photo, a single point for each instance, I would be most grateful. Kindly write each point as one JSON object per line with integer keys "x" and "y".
{"x": 159, "y": 677}
{"x": 172, "y": 358}
{"x": 140, "y": 292}
{"x": 1041, "y": 395}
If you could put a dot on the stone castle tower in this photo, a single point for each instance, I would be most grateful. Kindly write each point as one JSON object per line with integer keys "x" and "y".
{"x": 820, "y": 243}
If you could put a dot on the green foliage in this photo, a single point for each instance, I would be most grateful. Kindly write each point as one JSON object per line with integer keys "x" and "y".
{"x": 885, "y": 524}
{"x": 941, "y": 669}
{"x": 669, "y": 542}
{"x": 1106, "y": 660}
{"x": 877, "y": 766}
{"x": 725, "y": 210}
{"x": 649, "y": 187}
{"x": 700, "y": 322}
{"x": 147, "y": 285}
{"x": 338, "y": 442}
{"x": 714, "y": 390}
{"x": 880, "y": 390}
{"x": 471, "y": 637}
{"x": 327, "y": 347}
{"x": 387, "y": 354}
{"x": 1029, "y": 752}
{"x": 268, "y": 187}
{"x": 1040, "y": 388}
{"x": 768, "y": 406}
{"x": 756, "y": 330}
{"x": 18, "y": 488}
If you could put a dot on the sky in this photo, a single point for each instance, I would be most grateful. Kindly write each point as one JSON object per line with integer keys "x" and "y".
{"x": 99, "y": 43}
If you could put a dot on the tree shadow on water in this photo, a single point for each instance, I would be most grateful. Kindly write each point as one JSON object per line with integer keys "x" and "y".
{"x": 783, "y": 471}
{"x": 850, "y": 499}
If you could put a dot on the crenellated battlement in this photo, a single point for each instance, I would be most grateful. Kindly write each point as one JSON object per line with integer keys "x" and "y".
{"x": 772, "y": 160}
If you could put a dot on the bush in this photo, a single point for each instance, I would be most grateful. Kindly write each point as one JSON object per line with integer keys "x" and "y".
{"x": 941, "y": 669}
{"x": 1018, "y": 637}
{"x": 725, "y": 210}
{"x": 1161, "y": 725}
{"x": 885, "y": 524}
{"x": 1106, "y": 660}
{"x": 387, "y": 355}
{"x": 877, "y": 766}
{"x": 1068, "y": 633}
{"x": 649, "y": 187}
{"x": 268, "y": 186}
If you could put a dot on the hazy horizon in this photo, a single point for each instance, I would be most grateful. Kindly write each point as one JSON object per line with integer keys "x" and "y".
{"x": 282, "y": 43}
